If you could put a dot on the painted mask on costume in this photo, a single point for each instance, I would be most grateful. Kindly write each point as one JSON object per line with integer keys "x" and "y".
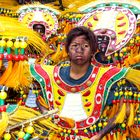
{"x": 117, "y": 22}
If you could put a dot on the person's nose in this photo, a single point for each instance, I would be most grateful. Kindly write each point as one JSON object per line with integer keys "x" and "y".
{"x": 79, "y": 49}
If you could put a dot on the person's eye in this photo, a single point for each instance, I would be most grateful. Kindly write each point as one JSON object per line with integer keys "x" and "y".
{"x": 86, "y": 45}
{"x": 74, "y": 46}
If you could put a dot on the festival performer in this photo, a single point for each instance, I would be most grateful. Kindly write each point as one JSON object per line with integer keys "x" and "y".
{"x": 91, "y": 100}
{"x": 19, "y": 100}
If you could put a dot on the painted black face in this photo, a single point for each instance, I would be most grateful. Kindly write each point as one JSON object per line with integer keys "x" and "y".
{"x": 79, "y": 51}
{"x": 102, "y": 42}
{"x": 39, "y": 28}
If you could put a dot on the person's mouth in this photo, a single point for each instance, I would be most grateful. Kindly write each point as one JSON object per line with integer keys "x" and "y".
{"x": 78, "y": 57}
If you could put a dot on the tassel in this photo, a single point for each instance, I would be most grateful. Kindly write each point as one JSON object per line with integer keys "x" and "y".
{"x": 105, "y": 138}
{"x": 7, "y": 73}
{"x": 0, "y": 63}
{"x": 42, "y": 102}
{"x": 137, "y": 133}
{"x": 27, "y": 114}
{"x": 56, "y": 57}
{"x": 108, "y": 137}
{"x": 8, "y": 70}
{"x": 65, "y": 55}
{"x": 132, "y": 131}
{"x": 54, "y": 136}
{"x": 121, "y": 115}
{"x": 2, "y": 45}
{"x": 113, "y": 110}
{"x": 20, "y": 74}
{"x": 3, "y": 123}
{"x": 66, "y": 30}
{"x": 136, "y": 59}
{"x": 24, "y": 74}
{"x": 131, "y": 115}
{"x": 9, "y": 82}
{"x": 124, "y": 137}
{"x": 119, "y": 136}
{"x": 114, "y": 137}
{"x": 115, "y": 104}
{"x": 106, "y": 111}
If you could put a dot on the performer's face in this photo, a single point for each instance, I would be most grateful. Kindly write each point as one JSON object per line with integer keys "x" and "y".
{"x": 102, "y": 42}
{"x": 39, "y": 28}
{"x": 80, "y": 51}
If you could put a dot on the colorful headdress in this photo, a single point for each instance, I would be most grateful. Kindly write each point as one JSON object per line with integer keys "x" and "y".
{"x": 39, "y": 14}
{"x": 115, "y": 20}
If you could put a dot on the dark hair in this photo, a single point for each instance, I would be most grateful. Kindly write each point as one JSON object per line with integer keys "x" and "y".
{"x": 81, "y": 30}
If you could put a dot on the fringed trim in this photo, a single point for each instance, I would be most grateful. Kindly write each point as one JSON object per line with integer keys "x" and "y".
{"x": 121, "y": 115}
{"x": 57, "y": 56}
{"x": 131, "y": 115}
{"x": 6, "y": 73}
{"x": 23, "y": 114}
{"x": 42, "y": 102}
{"x": 20, "y": 75}
{"x": 113, "y": 111}
{"x": 0, "y": 63}
{"x": 3, "y": 123}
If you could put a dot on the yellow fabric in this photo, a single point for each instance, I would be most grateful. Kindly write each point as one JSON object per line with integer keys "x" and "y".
{"x": 134, "y": 77}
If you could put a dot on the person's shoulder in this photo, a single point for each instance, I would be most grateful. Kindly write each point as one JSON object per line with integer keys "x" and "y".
{"x": 42, "y": 66}
{"x": 113, "y": 68}
{"x": 47, "y": 66}
{"x": 64, "y": 68}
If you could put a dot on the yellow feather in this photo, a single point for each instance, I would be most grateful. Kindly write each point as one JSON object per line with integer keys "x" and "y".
{"x": 3, "y": 123}
{"x": 131, "y": 115}
{"x": 6, "y": 73}
{"x": 121, "y": 115}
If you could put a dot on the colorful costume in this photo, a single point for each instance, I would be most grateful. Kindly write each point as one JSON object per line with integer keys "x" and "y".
{"x": 86, "y": 107}
{"x": 82, "y": 105}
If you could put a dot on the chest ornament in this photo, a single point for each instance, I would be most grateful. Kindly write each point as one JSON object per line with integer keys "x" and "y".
{"x": 77, "y": 88}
